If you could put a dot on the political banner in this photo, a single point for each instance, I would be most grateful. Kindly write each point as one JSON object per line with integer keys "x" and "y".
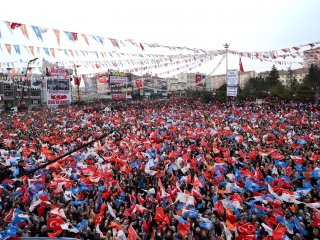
{"x": 90, "y": 84}
{"x": 232, "y": 78}
{"x": 120, "y": 84}
{"x": 232, "y": 91}
{"x": 199, "y": 80}
{"x": 36, "y": 82}
{"x": 58, "y": 91}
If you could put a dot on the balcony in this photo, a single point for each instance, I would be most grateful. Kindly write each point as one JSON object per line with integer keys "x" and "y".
{"x": 35, "y": 97}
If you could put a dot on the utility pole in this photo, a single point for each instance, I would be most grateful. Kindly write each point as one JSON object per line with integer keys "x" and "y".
{"x": 77, "y": 82}
{"x": 22, "y": 103}
{"x": 226, "y": 46}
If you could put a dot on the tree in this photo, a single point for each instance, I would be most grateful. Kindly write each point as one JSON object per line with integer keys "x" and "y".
{"x": 206, "y": 96}
{"x": 221, "y": 93}
{"x": 313, "y": 77}
{"x": 293, "y": 83}
{"x": 254, "y": 88}
{"x": 279, "y": 91}
{"x": 305, "y": 91}
{"x": 273, "y": 77}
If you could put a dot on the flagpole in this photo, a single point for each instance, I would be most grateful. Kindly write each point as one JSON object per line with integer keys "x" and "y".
{"x": 24, "y": 172}
{"x": 226, "y": 46}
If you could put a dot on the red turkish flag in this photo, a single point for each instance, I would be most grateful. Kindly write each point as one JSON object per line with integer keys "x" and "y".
{"x": 183, "y": 229}
{"x": 97, "y": 220}
{"x": 198, "y": 80}
{"x": 132, "y": 235}
{"x": 146, "y": 226}
{"x": 246, "y": 237}
{"x": 139, "y": 83}
{"x": 240, "y": 66}
{"x": 247, "y": 228}
{"x": 316, "y": 219}
{"x": 279, "y": 232}
{"x": 54, "y": 223}
{"x": 160, "y": 216}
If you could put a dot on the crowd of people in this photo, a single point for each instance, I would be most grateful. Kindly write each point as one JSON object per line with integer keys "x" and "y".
{"x": 166, "y": 169}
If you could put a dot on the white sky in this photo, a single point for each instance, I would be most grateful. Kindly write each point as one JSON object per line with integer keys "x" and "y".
{"x": 248, "y": 25}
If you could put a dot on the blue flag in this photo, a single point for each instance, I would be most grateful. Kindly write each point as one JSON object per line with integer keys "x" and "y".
{"x": 252, "y": 187}
{"x": 191, "y": 213}
{"x": 298, "y": 227}
{"x": 77, "y": 203}
{"x": 281, "y": 164}
{"x": 82, "y": 225}
{"x": 302, "y": 141}
{"x": 11, "y": 231}
{"x": 315, "y": 173}
{"x": 205, "y": 225}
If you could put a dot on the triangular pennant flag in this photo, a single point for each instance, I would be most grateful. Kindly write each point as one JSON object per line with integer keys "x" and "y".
{"x": 17, "y": 48}
{"x": 8, "y": 46}
{"x": 115, "y": 42}
{"x": 65, "y": 52}
{"x": 52, "y": 52}
{"x": 57, "y": 33}
{"x": 75, "y": 36}
{"x": 141, "y": 46}
{"x": 71, "y": 53}
{"x": 69, "y": 35}
{"x": 85, "y": 38}
{"x": 37, "y": 32}
{"x": 24, "y": 30}
{"x": 31, "y": 48}
{"x": 46, "y": 50}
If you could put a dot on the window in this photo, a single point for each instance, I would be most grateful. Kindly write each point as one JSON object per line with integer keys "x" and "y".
{"x": 8, "y": 86}
{"x": 8, "y": 94}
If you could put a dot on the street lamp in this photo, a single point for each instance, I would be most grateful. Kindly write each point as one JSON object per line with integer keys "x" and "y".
{"x": 22, "y": 103}
{"x": 226, "y": 46}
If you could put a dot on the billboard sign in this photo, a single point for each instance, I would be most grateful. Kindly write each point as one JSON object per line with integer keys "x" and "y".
{"x": 58, "y": 91}
{"x": 232, "y": 78}
{"x": 120, "y": 84}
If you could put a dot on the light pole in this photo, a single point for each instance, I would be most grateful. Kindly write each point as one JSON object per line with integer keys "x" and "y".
{"x": 22, "y": 104}
{"x": 77, "y": 82}
{"x": 226, "y": 46}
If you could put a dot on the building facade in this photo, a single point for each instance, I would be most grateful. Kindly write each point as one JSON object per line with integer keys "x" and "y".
{"x": 311, "y": 56}
{"x": 284, "y": 76}
{"x": 216, "y": 81}
{"x": 14, "y": 93}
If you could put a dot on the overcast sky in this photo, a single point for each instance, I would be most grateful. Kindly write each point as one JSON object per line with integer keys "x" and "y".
{"x": 248, "y": 25}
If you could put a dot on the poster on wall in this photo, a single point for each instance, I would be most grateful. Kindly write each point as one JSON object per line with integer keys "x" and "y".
{"x": 120, "y": 84}
{"x": 199, "y": 80}
{"x": 58, "y": 91}
{"x": 90, "y": 84}
{"x": 36, "y": 81}
{"x": 155, "y": 86}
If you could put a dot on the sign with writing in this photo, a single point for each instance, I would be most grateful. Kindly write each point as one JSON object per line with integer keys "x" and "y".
{"x": 232, "y": 91}
{"x": 232, "y": 78}
{"x": 58, "y": 91}
{"x": 120, "y": 85}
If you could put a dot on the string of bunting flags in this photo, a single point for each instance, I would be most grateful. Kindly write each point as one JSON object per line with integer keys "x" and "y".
{"x": 52, "y": 52}
{"x": 74, "y": 37}
{"x": 98, "y": 59}
{"x": 312, "y": 49}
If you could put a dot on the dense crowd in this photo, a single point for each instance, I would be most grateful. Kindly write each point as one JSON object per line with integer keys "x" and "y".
{"x": 167, "y": 169}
